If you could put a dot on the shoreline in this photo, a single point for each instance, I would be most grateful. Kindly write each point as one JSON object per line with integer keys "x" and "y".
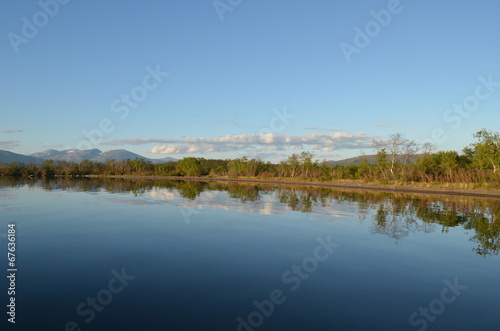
{"x": 345, "y": 185}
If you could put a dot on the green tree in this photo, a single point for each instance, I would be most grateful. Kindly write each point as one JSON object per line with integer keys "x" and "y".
{"x": 243, "y": 167}
{"x": 448, "y": 161}
{"x": 382, "y": 163}
{"x": 48, "y": 169}
{"x": 307, "y": 166}
{"x": 364, "y": 167}
{"x": 85, "y": 167}
{"x": 293, "y": 165}
{"x": 189, "y": 166}
{"x": 485, "y": 152}
{"x": 428, "y": 164}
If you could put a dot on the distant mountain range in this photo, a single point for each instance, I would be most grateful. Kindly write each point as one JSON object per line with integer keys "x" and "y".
{"x": 9, "y": 157}
{"x": 76, "y": 155}
{"x": 372, "y": 159}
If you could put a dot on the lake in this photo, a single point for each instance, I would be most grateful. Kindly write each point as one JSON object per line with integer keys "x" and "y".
{"x": 116, "y": 254}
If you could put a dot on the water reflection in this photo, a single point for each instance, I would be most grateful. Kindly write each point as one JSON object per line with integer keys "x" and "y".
{"x": 393, "y": 215}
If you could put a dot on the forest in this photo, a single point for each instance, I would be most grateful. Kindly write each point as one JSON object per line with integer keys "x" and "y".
{"x": 398, "y": 161}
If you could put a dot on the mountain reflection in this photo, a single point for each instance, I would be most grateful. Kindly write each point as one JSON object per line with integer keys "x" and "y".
{"x": 395, "y": 215}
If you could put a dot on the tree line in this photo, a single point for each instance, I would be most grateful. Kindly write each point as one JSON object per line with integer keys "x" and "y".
{"x": 398, "y": 160}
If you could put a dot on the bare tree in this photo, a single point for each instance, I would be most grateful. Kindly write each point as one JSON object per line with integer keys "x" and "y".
{"x": 398, "y": 148}
{"x": 427, "y": 148}
{"x": 410, "y": 149}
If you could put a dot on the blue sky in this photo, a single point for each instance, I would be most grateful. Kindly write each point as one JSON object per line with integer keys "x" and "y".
{"x": 271, "y": 78}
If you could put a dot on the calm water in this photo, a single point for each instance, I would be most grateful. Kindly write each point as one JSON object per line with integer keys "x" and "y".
{"x": 168, "y": 255}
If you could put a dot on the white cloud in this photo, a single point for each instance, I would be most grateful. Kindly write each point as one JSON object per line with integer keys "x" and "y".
{"x": 11, "y": 131}
{"x": 136, "y": 141}
{"x": 253, "y": 142}
{"x": 6, "y": 144}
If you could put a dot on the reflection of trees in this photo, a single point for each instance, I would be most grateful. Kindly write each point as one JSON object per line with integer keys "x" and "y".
{"x": 397, "y": 218}
{"x": 486, "y": 227}
{"x": 243, "y": 192}
{"x": 393, "y": 214}
{"x": 190, "y": 189}
{"x": 302, "y": 199}
{"x": 397, "y": 222}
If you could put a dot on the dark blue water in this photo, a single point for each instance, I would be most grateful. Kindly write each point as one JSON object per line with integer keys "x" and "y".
{"x": 143, "y": 255}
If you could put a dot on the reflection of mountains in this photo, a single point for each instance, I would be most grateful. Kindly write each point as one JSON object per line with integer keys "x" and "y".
{"x": 393, "y": 215}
